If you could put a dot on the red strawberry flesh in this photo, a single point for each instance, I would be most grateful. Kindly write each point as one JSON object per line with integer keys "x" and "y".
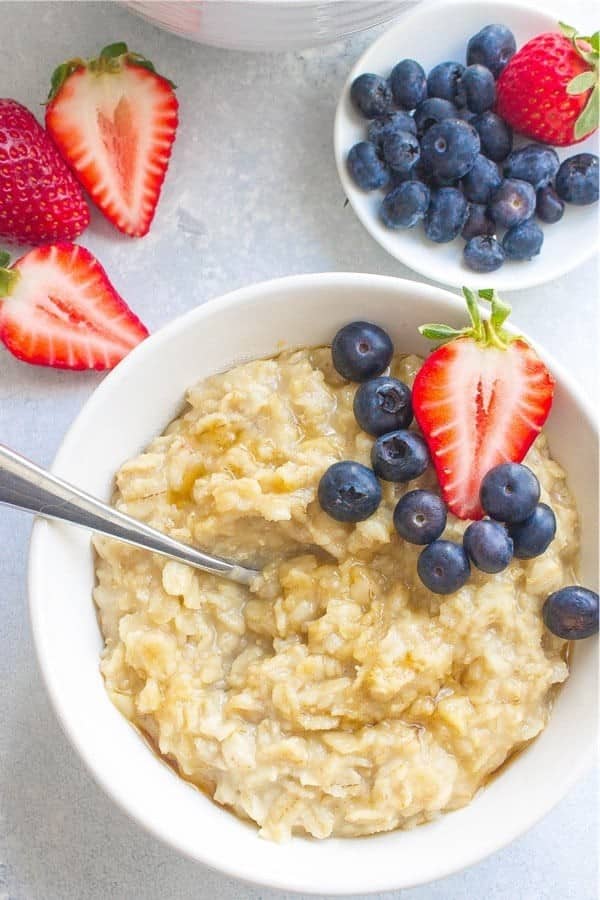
{"x": 114, "y": 121}
{"x": 62, "y": 311}
{"x": 478, "y": 406}
{"x": 40, "y": 200}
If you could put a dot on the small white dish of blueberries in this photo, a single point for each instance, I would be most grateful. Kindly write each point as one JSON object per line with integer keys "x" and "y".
{"x": 466, "y": 142}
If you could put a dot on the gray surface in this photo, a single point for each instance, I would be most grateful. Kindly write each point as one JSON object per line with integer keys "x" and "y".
{"x": 252, "y": 193}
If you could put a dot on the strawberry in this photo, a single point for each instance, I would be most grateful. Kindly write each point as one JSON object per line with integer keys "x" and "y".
{"x": 114, "y": 120}
{"x": 480, "y": 399}
{"x": 40, "y": 200}
{"x": 549, "y": 88}
{"x": 58, "y": 308}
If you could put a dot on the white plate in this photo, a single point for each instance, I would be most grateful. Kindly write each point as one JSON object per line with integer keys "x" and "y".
{"x": 432, "y": 33}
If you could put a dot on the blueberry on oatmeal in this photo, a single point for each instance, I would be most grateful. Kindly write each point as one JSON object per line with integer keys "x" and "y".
{"x": 361, "y": 351}
{"x": 349, "y": 492}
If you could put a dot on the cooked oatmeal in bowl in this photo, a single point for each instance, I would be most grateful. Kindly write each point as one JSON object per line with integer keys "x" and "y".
{"x": 202, "y": 623}
{"x": 338, "y": 695}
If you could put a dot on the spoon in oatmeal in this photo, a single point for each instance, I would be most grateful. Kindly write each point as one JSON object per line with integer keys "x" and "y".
{"x": 23, "y": 485}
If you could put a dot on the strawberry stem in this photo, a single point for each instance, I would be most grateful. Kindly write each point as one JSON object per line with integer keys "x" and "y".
{"x": 474, "y": 313}
{"x": 488, "y": 332}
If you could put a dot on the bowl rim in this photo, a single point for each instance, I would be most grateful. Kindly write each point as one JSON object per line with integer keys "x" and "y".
{"x": 276, "y": 288}
{"x": 526, "y": 278}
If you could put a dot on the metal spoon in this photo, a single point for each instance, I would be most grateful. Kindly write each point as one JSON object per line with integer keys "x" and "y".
{"x": 25, "y": 486}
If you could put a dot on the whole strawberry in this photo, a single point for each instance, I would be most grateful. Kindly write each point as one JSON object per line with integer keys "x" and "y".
{"x": 549, "y": 89}
{"x": 40, "y": 201}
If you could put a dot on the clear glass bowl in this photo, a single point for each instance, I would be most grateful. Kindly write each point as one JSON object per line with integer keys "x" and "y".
{"x": 266, "y": 24}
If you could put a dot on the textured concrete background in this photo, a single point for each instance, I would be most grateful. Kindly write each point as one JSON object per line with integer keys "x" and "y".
{"x": 252, "y": 193}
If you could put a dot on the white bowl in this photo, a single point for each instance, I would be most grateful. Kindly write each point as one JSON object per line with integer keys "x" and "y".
{"x": 432, "y": 33}
{"x": 133, "y": 404}
{"x": 266, "y": 24}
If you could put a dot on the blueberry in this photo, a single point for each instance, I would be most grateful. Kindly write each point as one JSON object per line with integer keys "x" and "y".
{"x": 372, "y": 95}
{"x": 401, "y": 150}
{"x": 361, "y": 351}
{"x": 367, "y": 170}
{"x": 509, "y": 492}
{"x": 478, "y": 222}
{"x": 513, "y": 202}
{"x": 443, "y": 567}
{"x": 399, "y": 456}
{"x": 488, "y": 545}
{"x": 571, "y": 613}
{"x": 533, "y": 535}
{"x": 417, "y": 173}
{"x": 495, "y": 135}
{"x": 577, "y": 179}
{"x": 409, "y": 85}
{"x": 388, "y": 124}
{"x": 383, "y": 404}
{"x": 349, "y": 492}
{"x": 405, "y": 205}
{"x": 493, "y": 46}
{"x": 449, "y": 149}
{"x": 446, "y": 215}
{"x": 420, "y": 517}
{"x": 523, "y": 241}
{"x": 398, "y": 178}
{"x": 549, "y": 206}
{"x": 483, "y": 253}
{"x": 482, "y": 180}
{"x": 438, "y": 181}
{"x": 442, "y": 81}
{"x": 533, "y": 163}
{"x": 431, "y": 111}
{"x": 466, "y": 115}
{"x": 476, "y": 89}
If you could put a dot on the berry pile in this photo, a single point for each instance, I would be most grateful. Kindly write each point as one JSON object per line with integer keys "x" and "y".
{"x": 444, "y": 155}
{"x": 509, "y": 520}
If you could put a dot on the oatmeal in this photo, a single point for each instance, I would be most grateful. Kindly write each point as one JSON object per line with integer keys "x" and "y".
{"x": 338, "y": 696}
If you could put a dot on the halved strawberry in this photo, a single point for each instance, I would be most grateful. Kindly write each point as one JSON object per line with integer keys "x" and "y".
{"x": 481, "y": 399}
{"x": 114, "y": 120}
{"x": 58, "y": 308}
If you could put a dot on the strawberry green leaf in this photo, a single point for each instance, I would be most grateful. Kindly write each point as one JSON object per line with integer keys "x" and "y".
{"x": 494, "y": 333}
{"x": 136, "y": 59}
{"x": 61, "y": 73}
{"x": 581, "y": 83}
{"x": 143, "y": 63}
{"x": 488, "y": 332}
{"x": 4, "y": 259}
{"x": 440, "y": 332}
{"x": 500, "y": 312}
{"x": 8, "y": 279}
{"x": 113, "y": 50}
{"x": 594, "y": 41}
{"x": 567, "y": 30}
{"x": 588, "y": 120}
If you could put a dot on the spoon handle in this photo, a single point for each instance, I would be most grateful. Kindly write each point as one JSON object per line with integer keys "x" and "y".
{"x": 25, "y": 486}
